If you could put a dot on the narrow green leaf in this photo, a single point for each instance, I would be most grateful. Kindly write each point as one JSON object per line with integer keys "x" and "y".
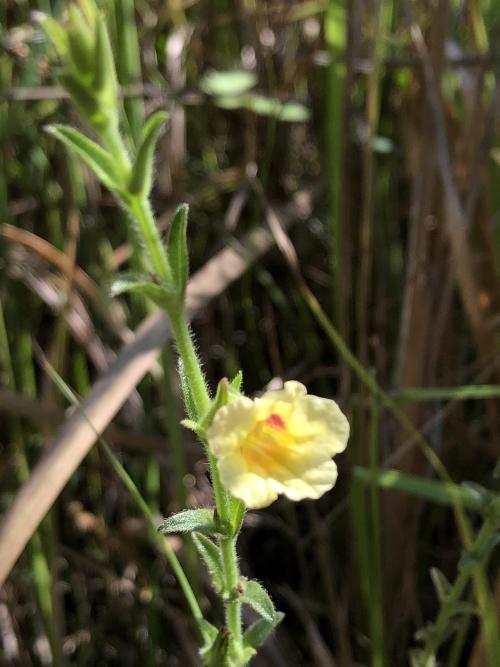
{"x": 141, "y": 285}
{"x": 264, "y": 106}
{"x": 54, "y": 31}
{"x": 259, "y": 631}
{"x": 464, "y": 608}
{"x": 95, "y": 157}
{"x": 177, "y": 250}
{"x": 477, "y": 491}
{"x": 90, "y": 11}
{"x": 200, "y": 520}
{"x": 441, "y": 584}
{"x": 463, "y": 393}
{"x": 231, "y": 102}
{"x": 210, "y": 553}
{"x": 105, "y": 81}
{"x": 230, "y": 83}
{"x": 141, "y": 178}
{"x": 294, "y": 112}
{"x": 478, "y": 555}
{"x": 433, "y": 490}
{"x": 258, "y": 598}
{"x": 80, "y": 40}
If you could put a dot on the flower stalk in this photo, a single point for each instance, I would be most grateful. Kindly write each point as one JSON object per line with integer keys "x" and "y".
{"x": 287, "y": 445}
{"x": 196, "y": 382}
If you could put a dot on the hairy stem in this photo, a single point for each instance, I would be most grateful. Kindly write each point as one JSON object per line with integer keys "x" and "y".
{"x": 201, "y": 401}
{"x": 150, "y": 236}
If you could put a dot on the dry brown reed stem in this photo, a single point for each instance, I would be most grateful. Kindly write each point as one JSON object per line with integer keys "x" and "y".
{"x": 456, "y": 223}
{"x": 425, "y": 261}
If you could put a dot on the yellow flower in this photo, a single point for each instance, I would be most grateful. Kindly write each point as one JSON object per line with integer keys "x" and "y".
{"x": 282, "y": 442}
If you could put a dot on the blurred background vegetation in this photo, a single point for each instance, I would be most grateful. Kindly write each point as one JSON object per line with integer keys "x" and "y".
{"x": 346, "y": 155}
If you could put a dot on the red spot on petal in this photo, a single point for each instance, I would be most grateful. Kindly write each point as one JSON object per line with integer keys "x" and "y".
{"x": 275, "y": 420}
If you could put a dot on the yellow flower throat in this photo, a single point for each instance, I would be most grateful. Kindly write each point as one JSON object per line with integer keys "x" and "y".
{"x": 269, "y": 447}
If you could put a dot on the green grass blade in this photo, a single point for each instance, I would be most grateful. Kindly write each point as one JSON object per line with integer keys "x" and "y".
{"x": 139, "y": 500}
{"x": 435, "y": 491}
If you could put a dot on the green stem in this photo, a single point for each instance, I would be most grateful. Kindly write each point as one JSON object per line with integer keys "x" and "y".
{"x": 453, "y": 598}
{"x": 232, "y": 573}
{"x": 201, "y": 400}
{"x": 153, "y": 525}
{"x": 199, "y": 395}
{"x": 113, "y": 141}
{"x": 141, "y": 210}
{"x": 192, "y": 367}
{"x": 138, "y": 206}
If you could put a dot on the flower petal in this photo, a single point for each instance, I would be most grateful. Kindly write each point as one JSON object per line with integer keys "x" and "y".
{"x": 322, "y": 421}
{"x": 312, "y": 483}
{"x": 282, "y": 442}
{"x": 255, "y": 491}
{"x": 231, "y": 425}
{"x": 271, "y": 401}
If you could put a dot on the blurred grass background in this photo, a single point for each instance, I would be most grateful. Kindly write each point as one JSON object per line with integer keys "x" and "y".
{"x": 370, "y": 130}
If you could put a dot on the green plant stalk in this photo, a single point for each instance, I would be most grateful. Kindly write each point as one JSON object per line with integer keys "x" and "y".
{"x": 488, "y": 529}
{"x": 113, "y": 141}
{"x": 174, "y": 431}
{"x": 141, "y": 210}
{"x": 177, "y": 451}
{"x": 201, "y": 400}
